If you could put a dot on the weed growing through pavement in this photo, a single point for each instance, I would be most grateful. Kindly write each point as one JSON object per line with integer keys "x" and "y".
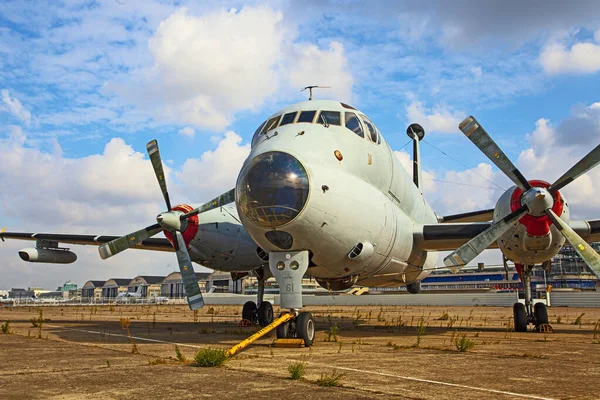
{"x": 443, "y": 317}
{"x": 559, "y": 319}
{"x": 210, "y": 357}
{"x": 126, "y": 324}
{"x": 179, "y": 355}
{"x": 332, "y": 333}
{"x": 5, "y": 327}
{"x": 297, "y": 370}
{"x": 330, "y": 380}
{"x": 107, "y": 364}
{"x": 579, "y": 320}
{"x": 420, "y": 332}
{"x": 463, "y": 343}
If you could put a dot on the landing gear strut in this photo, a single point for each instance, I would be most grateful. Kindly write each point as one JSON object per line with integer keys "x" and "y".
{"x": 289, "y": 268}
{"x": 528, "y": 314}
{"x": 261, "y": 312}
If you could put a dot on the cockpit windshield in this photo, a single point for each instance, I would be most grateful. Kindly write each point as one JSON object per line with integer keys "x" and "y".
{"x": 357, "y": 123}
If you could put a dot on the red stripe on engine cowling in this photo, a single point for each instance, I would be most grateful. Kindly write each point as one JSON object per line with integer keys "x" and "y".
{"x": 192, "y": 229}
{"x": 536, "y": 226}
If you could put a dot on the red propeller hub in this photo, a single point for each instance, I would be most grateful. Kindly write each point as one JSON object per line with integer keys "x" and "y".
{"x": 192, "y": 228}
{"x": 536, "y": 226}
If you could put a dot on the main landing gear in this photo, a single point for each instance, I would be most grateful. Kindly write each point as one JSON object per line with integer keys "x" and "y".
{"x": 525, "y": 314}
{"x": 261, "y": 312}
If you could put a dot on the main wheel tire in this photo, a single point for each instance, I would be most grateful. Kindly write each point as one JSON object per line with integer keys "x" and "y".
{"x": 283, "y": 330}
{"x": 305, "y": 328}
{"x": 540, "y": 312}
{"x": 250, "y": 312}
{"x": 265, "y": 313}
{"x": 520, "y": 317}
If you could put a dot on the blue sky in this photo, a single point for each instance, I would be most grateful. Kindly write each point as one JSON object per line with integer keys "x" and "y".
{"x": 84, "y": 85}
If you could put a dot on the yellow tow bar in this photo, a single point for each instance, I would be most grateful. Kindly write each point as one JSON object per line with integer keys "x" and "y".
{"x": 248, "y": 341}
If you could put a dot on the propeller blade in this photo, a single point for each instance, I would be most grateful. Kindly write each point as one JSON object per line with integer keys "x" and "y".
{"x": 589, "y": 255}
{"x": 476, "y": 134}
{"x": 190, "y": 282}
{"x": 468, "y": 251}
{"x": 584, "y": 165}
{"x": 128, "y": 241}
{"x": 154, "y": 153}
{"x": 223, "y": 199}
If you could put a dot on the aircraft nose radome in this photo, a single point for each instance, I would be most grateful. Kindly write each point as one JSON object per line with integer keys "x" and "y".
{"x": 272, "y": 189}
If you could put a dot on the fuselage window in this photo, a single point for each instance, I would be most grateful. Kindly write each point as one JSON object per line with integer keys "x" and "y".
{"x": 307, "y": 116}
{"x": 372, "y": 131}
{"x": 354, "y": 125}
{"x": 271, "y": 124}
{"x": 288, "y": 118}
{"x": 329, "y": 118}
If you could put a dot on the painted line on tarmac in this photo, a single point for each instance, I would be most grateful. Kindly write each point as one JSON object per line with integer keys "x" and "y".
{"x": 457, "y": 385}
{"x": 123, "y": 336}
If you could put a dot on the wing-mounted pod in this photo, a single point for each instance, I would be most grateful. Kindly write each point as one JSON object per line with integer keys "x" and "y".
{"x": 47, "y": 252}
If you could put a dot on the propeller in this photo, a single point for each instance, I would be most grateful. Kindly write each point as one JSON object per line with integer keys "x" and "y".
{"x": 534, "y": 201}
{"x": 173, "y": 222}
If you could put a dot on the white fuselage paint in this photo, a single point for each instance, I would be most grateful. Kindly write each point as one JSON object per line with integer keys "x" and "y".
{"x": 369, "y": 198}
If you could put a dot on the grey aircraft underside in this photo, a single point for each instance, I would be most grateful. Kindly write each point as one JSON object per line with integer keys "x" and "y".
{"x": 322, "y": 193}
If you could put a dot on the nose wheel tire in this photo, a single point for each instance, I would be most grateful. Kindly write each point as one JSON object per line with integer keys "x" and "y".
{"x": 250, "y": 312}
{"x": 520, "y": 317}
{"x": 305, "y": 328}
{"x": 541, "y": 314}
{"x": 265, "y": 313}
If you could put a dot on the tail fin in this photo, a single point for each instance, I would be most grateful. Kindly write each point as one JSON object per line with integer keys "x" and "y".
{"x": 139, "y": 290}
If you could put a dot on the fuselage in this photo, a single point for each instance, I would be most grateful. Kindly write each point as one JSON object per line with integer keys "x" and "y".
{"x": 320, "y": 177}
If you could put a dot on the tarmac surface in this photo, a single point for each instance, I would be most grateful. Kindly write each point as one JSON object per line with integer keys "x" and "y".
{"x": 83, "y": 351}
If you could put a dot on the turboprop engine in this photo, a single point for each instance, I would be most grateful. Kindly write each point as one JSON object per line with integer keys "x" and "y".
{"x": 534, "y": 239}
{"x": 52, "y": 256}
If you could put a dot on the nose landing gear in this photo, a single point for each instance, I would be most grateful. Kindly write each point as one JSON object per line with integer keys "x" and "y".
{"x": 529, "y": 313}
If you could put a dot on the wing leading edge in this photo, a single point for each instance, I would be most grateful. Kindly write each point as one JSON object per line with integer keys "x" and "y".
{"x": 450, "y": 236}
{"x": 155, "y": 244}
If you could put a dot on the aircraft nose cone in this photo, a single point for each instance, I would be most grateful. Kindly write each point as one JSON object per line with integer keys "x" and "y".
{"x": 272, "y": 189}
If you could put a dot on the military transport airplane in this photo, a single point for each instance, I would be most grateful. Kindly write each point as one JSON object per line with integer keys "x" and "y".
{"x": 323, "y": 194}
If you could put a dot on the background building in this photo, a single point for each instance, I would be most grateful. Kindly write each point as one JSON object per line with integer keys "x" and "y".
{"x": 113, "y": 287}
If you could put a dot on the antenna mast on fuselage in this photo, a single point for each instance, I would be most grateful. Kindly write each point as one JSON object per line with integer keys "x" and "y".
{"x": 310, "y": 88}
{"x": 416, "y": 133}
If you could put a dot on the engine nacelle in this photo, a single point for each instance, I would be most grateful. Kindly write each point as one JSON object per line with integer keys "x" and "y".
{"x": 533, "y": 240}
{"x": 52, "y": 256}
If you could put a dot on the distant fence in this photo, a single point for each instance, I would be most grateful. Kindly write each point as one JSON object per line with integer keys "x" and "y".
{"x": 558, "y": 299}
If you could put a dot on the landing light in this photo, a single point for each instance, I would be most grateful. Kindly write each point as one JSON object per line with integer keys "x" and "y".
{"x": 280, "y": 265}
{"x": 294, "y": 265}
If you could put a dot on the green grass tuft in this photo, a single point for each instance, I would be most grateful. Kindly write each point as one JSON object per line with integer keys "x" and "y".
{"x": 210, "y": 357}
{"x": 331, "y": 380}
{"x": 463, "y": 343}
{"x": 5, "y": 327}
{"x": 297, "y": 370}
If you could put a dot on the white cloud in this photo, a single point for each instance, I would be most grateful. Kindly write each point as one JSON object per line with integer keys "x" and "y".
{"x": 216, "y": 171}
{"x": 208, "y": 68}
{"x": 15, "y": 107}
{"x": 438, "y": 119}
{"x": 553, "y": 151}
{"x": 187, "y": 131}
{"x": 581, "y": 58}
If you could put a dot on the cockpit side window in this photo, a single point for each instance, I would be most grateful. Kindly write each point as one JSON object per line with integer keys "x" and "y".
{"x": 329, "y": 118}
{"x": 271, "y": 124}
{"x": 288, "y": 118}
{"x": 306, "y": 116}
{"x": 372, "y": 131}
{"x": 354, "y": 125}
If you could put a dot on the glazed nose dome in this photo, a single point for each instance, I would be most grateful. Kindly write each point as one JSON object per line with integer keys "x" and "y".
{"x": 272, "y": 189}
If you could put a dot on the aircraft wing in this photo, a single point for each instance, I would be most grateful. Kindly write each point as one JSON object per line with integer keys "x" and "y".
{"x": 474, "y": 216}
{"x": 156, "y": 244}
{"x": 450, "y": 236}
